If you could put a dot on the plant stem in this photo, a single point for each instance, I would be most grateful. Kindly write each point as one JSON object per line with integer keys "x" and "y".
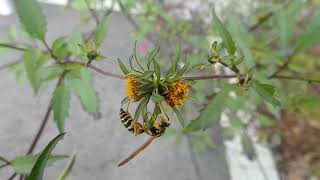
{"x": 296, "y": 78}
{"x": 136, "y": 152}
{"x": 284, "y": 66}
{"x": 11, "y": 64}
{"x": 4, "y": 165}
{"x": 11, "y": 46}
{"x": 49, "y": 50}
{"x": 117, "y": 76}
{"x": 209, "y": 77}
{"x": 92, "y": 12}
{"x": 262, "y": 20}
{"x": 13, "y": 176}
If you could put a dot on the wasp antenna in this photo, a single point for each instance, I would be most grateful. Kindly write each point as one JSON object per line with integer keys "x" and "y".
{"x": 137, "y": 151}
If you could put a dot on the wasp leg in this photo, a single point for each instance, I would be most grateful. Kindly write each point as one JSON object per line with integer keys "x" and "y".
{"x": 137, "y": 128}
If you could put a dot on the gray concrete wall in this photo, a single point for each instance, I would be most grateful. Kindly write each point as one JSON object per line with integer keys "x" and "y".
{"x": 101, "y": 143}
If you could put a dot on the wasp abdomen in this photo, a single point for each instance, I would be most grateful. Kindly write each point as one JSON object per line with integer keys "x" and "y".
{"x": 129, "y": 123}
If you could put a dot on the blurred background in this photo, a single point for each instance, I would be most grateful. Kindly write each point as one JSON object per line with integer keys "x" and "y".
{"x": 249, "y": 140}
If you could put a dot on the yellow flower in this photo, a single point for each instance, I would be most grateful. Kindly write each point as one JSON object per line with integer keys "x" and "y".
{"x": 132, "y": 86}
{"x": 177, "y": 93}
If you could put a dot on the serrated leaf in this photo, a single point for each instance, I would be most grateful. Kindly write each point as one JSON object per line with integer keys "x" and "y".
{"x": 24, "y": 164}
{"x": 156, "y": 98}
{"x": 38, "y": 169}
{"x": 68, "y": 168}
{"x": 211, "y": 112}
{"x": 33, "y": 63}
{"x": 123, "y": 67}
{"x": 32, "y": 18}
{"x": 101, "y": 31}
{"x": 83, "y": 87}
{"x": 224, "y": 33}
{"x": 179, "y": 116}
{"x": 266, "y": 91}
{"x": 60, "y": 105}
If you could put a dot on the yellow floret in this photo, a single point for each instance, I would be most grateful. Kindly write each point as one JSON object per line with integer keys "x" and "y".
{"x": 177, "y": 93}
{"x": 132, "y": 86}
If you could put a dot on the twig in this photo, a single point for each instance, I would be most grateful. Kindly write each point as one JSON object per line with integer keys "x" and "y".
{"x": 262, "y": 20}
{"x": 49, "y": 50}
{"x": 296, "y": 78}
{"x": 136, "y": 152}
{"x": 11, "y": 64}
{"x": 209, "y": 77}
{"x": 92, "y": 12}
{"x": 232, "y": 68}
{"x": 4, "y": 165}
{"x": 11, "y": 46}
{"x": 284, "y": 66}
{"x": 105, "y": 73}
{"x": 13, "y": 176}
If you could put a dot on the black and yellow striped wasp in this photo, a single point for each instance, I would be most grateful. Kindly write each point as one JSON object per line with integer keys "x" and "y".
{"x": 158, "y": 128}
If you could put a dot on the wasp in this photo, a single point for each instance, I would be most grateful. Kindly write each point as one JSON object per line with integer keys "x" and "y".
{"x": 158, "y": 128}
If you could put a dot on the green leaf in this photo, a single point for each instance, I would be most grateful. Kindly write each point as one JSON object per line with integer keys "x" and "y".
{"x": 123, "y": 67}
{"x": 224, "y": 33}
{"x": 59, "y": 48}
{"x": 266, "y": 91}
{"x": 60, "y": 105}
{"x": 176, "y": 59}
{"x": 179, "y": 116}
{"x": 141, "y": 105}
{"x": 101, "y": 31}
{"x": 24, "y": 164}
{"x": 156, "y": 98}
{"x": 75, "y": 42}
{"x": 66, "y": 171}
{"x": 33, "y": 62}
{"x": 248, "y": 147}
{"x": 32, "y": 18}
{"x": 310, "y": 36}
{"x": 152, "y": 55}
{"x": 212, "y": 112}
{"x": 83, "y": 87}
{"x": 125, "y": 100}
{"x": 38, "y": 169}
{"x": 182, "y": 71}
{"x": 157, "y": 70}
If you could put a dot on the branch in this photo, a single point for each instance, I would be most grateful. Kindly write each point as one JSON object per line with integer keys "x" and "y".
{"x": 49, "y": 50}
{"x": 117, "y": 76}
{"x": 11, "y": 46}
{"x": 11, "y": 64}
{"x": 261, "y": 21}
{"x": 136, "y": 152}
{"x": 232, "y": 68}
{"x": 284, "y": 66}
{"x": 296, "y": 78}
{"x": 209, "y": 77}
{"x": 92, "y": 12}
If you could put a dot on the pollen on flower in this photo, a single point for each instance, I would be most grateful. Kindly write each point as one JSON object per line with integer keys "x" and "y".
{"x": 177, "y": 93}
{"x": 132, "y": 86}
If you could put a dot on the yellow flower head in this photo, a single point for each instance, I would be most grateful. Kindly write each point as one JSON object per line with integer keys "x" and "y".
{"x": 132, "y": 86}
{"x": 177, "y": 93}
